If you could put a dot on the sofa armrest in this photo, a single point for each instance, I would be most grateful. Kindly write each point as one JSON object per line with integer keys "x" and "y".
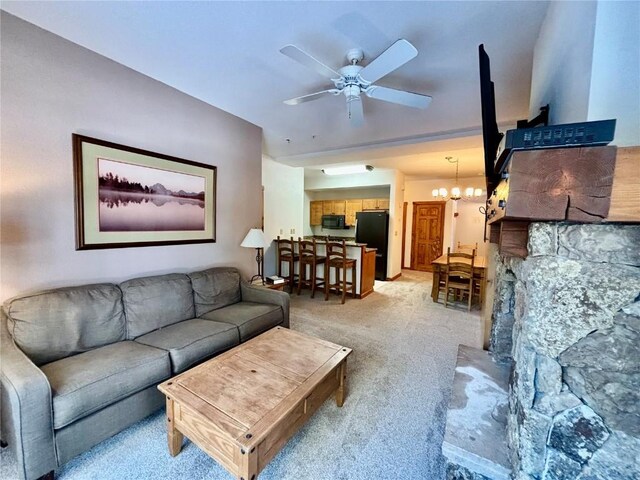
{"x": 255, "y": 294}
{"x": 26, "y": 409}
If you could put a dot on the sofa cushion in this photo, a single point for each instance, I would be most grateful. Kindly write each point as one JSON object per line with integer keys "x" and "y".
{"x": 250, "y": 318}
{"x": 54, "y": 324}
{"x": 155, "y": 302}
{"x": 215, "y": 288}
{"x": 87, "y": 382}
{"x": 191, "y": 341}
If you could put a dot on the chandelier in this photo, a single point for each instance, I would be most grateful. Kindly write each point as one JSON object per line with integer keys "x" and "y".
{"x": 456, "y": 191}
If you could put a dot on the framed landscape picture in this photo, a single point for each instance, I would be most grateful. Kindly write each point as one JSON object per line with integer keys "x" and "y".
{"x": 128, "y": 197}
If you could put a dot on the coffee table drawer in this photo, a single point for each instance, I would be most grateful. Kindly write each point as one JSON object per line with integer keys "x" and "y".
{"x": 291, "y": 423}
{"x": 207, "y": 436}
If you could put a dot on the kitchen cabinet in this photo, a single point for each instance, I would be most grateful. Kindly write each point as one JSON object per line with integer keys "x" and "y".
{"x": 351, "y": 208}
{"x": 348, "y": 208}
{"x": 368, "y": 272}
{"x": 369, "y": 204}
{"x": 383, "y": 204}
{"x": 375, "y": 204}
{"x": 316, "y": 212}
{"x": 333, "y": 207}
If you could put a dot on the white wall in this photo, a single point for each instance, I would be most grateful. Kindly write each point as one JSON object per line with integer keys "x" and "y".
{"x": 284, "y": 201}
{"x": 468, "y": 226}
{"x": 52, "y": 88}
{"x": 464, "y": 227}
{"x": 586, "y": 65}
{"x": 349, "y": 193}
{"x": 562, "y": 58}
{"x": 306, "y": 215}
{"x": 377, "y": 178}
{"x": 396, "y": 204}
{"x": 615, "y": 73}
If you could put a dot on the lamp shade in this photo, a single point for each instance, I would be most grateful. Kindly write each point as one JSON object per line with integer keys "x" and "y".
{"x": 254, "y": 239}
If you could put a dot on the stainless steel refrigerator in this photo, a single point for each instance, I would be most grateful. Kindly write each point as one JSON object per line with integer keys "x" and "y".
{"x": 372, "y": 228}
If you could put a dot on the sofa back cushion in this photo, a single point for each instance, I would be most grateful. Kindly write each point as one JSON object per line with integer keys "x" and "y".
{"x": 155, "y": 302}
{"x": 55, "y": 324}
{"x": 215, "y": 288}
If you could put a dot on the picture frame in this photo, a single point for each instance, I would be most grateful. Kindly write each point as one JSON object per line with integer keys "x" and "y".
{"x": 130, "y": 197}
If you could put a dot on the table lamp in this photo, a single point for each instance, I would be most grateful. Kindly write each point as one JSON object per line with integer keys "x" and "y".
{"x": 255, "y": 239}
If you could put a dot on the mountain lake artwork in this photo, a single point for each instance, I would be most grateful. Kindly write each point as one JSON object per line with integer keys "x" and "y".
{"x": 137, "y": 198}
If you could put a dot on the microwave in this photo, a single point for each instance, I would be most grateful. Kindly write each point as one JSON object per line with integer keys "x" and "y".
{"x": 333, "y": 221}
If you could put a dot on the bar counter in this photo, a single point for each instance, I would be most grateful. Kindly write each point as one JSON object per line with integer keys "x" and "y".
{"x": 365, "y": 265}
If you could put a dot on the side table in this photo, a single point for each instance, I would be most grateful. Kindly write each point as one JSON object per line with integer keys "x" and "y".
{"x": 271, "y": 286}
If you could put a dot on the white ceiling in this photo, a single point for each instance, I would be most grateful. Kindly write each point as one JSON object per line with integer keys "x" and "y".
{"x": 227, "y": 54}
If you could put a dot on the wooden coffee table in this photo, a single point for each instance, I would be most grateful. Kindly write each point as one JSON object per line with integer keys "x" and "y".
{"x": 242, "y": 406}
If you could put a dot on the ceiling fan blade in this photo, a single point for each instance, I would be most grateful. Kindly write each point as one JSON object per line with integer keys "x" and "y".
{"x": 307, "y": 60}
{"x": 392, "y": 95}
{"x": 392, "y": 58}
{"x": 310, "y": 97}
{"x": 354, "y": 109}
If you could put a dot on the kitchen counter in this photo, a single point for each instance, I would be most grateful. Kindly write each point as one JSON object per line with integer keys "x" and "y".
{"x": 348, "y": 243}
{"x": 364, "y": 256}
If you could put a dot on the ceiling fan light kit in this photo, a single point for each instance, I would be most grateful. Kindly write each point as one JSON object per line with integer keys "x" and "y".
{"x": 347, "y": 169}
{"x": 353, "y": 79}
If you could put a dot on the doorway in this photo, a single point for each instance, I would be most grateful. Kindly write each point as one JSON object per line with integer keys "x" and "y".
{"x": 427, "y": 234}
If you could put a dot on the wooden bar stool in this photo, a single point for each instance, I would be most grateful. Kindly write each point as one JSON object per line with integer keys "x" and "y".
{"x": 337, "y": 258}
{"x": 307, "y": 250}
{"x": 286, "y": 254}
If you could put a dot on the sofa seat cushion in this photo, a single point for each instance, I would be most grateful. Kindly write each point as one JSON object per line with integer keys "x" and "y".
{"x": 92, "y": 380}
{"x": 251, "y": 318}
{"x": 191, "y": 341}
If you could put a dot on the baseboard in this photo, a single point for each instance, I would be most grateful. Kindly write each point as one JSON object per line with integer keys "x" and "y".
{"x": 395, "y": 277}
{"x": 365, "y": 294}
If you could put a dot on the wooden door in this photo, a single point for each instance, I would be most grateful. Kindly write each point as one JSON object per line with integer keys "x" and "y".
{"x": 427, "y": 234}
{"x": 315, "y": 213}
{"x": 404, "y": 231}
{"x": 339, "y": 207}
{"x": 351, "y": 208}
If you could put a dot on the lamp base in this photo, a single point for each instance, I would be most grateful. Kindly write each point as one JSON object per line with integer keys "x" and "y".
{"x": 259, "y": 258}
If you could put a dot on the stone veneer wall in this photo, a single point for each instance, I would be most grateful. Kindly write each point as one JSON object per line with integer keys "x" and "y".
{"x": 573, "y": 308}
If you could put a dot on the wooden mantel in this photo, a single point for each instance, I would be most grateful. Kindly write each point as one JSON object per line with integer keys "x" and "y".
{"x": 587, "y": 185}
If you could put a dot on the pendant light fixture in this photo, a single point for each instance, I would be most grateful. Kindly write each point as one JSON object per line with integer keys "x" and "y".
{"x": 456, "y": 191}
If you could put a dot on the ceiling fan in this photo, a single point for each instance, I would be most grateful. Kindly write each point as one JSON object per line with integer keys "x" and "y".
{"x": 352, "y": 80}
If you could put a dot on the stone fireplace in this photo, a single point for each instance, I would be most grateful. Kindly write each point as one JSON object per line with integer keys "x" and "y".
{"x": 568, "y": 317}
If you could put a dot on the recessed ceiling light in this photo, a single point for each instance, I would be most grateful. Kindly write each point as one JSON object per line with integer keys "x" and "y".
{"x": 346, "y": 170}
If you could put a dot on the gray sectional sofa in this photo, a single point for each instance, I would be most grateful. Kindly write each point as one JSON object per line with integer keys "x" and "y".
{"x": 80, "y": 364}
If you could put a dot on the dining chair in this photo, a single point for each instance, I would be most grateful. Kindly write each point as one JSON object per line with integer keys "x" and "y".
{"x": 286, "y": 254}
{"x": 459, "y": 276}
{"x": 308, "y": 251}
{"x": 466, "y": 247}
{"x": 337, "y": 259}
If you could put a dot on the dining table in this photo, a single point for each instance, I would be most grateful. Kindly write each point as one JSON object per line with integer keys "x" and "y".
{"x": 479, "y": 273}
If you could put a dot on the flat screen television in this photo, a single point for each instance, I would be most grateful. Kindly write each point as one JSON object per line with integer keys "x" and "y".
{"x": 491, "y": 136}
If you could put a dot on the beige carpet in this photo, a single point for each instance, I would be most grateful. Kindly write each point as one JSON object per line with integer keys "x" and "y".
{"x": 390, "y": 427}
